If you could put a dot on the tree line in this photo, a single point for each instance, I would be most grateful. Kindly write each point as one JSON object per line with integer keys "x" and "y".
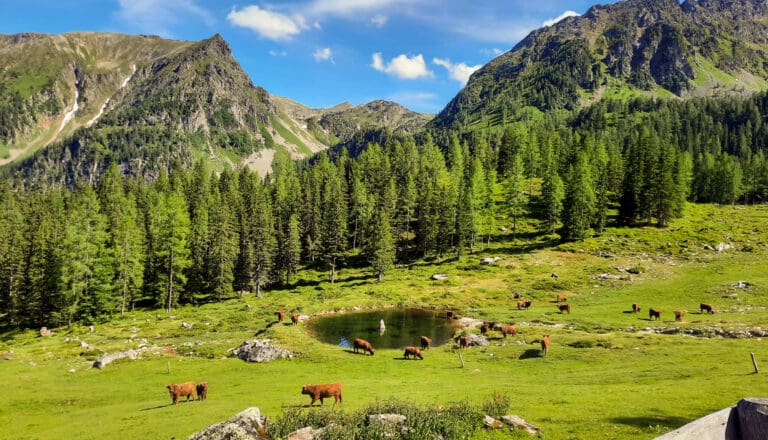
{"x": 91, "y": 251}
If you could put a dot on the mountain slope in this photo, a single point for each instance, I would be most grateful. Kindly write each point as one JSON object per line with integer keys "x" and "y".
{"x": 658, "y": 47}
{"x": 145, "y": 102}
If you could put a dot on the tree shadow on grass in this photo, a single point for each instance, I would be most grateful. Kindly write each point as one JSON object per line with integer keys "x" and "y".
{"x": 645, "y": 422}
{"x": 531, "y": 353}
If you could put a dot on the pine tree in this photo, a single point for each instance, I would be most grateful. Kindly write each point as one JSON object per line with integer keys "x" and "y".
{"x": 223, "y": 244}
{"x": 292, "y": 250}
{"x": 578, "y": 207}
{"x": 11, "y": 255}
{"x": 171, "y": 231}
{"x": 382, "y": 252}
{"x": 552, "y": 196}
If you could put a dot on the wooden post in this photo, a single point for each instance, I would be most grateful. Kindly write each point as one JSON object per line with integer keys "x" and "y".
{"x": 754, "y": 363}
{"x": 462, "y": 360}
{"x": 169, "y": 367}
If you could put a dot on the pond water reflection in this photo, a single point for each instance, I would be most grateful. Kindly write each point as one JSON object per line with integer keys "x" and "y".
{"x": 401, "y": 327}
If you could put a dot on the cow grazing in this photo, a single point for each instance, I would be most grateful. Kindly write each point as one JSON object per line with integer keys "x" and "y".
{"x": 654, "y": 314}
{"x": 180, "y": 390}
{"x": 295, "y": 318}
{"x": 362, "y": 344}
{"x": 323, "y": 390}
{"x": 508, "y": 330}
{"x": 523, "y": 304}
{"x": 561, "y": 298}
{"x": 679, "y": 315}
{"x": 635, "y": 308}
{"x": 544, "y": 345}
{"x": 425, "y": 342}
{"x": 280, "y": 315}
{"x": 706, "y": 308}
{"x": 564, "y": 308}
{"x": 412, "y": 351}
{"x": 202, "y": 390}
{"x": 464, "y": 342}
{"x": 484, "y": 329}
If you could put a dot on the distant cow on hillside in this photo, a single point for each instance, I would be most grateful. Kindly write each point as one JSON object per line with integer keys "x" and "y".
{"x": 180, "y": 390}
{"x": 464, "y": 342}
{"x": 295, "y": 318}
{"x": 561, "y": 298}
{"x": 280, "y": 315}
{"x": 202, "y": 390}
{"x": 564, "y": 308}
{"x": 362, "y": 344}
{"x": 704, "y": 307}
{"x": 523, "y": 304}
{"x": 323, "y": 390}
{"x": 508, "y": 330}
{"x": 412, "y": 351}
{"x": 545, "y": 345}
{"x": 425, "y": 342}
{"x": 654, "y": 314}
{"x": 679, "y": 315}
{"x": 635, "y": 308}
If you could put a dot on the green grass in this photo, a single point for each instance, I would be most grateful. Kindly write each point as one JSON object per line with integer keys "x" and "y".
{"x": 301, "y": 147}
{"x": 608, "y": 374}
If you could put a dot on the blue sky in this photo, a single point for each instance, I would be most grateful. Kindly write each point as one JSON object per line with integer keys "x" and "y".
{"x": 322, "y": 52}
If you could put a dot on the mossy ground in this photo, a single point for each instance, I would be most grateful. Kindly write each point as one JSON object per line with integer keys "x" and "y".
{"x": 607, "y": 374}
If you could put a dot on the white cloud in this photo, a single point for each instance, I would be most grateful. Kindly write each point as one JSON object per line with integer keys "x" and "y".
{"x": 562, "y": 16}
{"x": 459, "y": 72}
{"x": 379, "y": 20}
{"x": 323, "y": 54}
{"x": 156, "y": 16}
{"x": 276, "y": 53}
{"x": 402, "y": 66}
{"x": 268, "y": 24}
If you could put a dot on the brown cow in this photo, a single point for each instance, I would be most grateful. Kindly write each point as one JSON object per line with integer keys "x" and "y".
{"x": 653, "y": 313}
{"x": 412, "y": 351}
{"x": 362, "y": 344}
{"x": 564, "y": 308}
{"x": 545, "y": 345}
{"x": 679, "y": 315}
{"x": 182, "y": 389}
{"x": 523, "y": 304}
{"x": 323, "y": 390}
{"x": 561, "y": 298}
{"x": 202, "y": 390}
{"x": 484, "y": 329}
{"x": 508, "y": 330}
{"x": 425, "y": 342}
{"x": 464, "y": 342}
{"x": 280, "y": 315}
{"x": 635, "y": 308}
{"x": 706, "y": 308}
{"x": 449, "y": 314}
{"x": 295, "y": 318}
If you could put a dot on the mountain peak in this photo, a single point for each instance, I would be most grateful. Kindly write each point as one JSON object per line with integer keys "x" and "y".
{"x": 215, "y": 46}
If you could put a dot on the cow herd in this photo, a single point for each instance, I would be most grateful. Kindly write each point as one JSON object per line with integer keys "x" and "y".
{"x": 655, "y": 314}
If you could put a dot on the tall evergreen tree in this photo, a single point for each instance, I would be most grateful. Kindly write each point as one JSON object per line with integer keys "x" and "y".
{"x": 578, "y": 207}
{"x": 171, "y": 231}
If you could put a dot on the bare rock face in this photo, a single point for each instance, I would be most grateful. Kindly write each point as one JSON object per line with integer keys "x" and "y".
{"x": 259, "y": 350}
{"x": 246, "y": 425}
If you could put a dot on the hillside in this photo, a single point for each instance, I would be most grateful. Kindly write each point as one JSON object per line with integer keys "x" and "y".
{"x": 636, "y": 47}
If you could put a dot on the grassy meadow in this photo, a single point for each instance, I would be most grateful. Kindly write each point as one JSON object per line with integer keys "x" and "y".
{"x": 610, "y": 374}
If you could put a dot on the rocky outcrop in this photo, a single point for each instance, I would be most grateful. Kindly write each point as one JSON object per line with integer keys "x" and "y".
{"x": 246, "y": 425}
{"x": 259, "y": 350}
{"x": 108, "y": 359}
{"x": 748, "y": 420}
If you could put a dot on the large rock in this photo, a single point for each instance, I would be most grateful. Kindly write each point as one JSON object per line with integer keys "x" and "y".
{"x": 478, "y": 340}
{"x": 246, "y": 425}
{"x": 259, "y": 350}
{"x": 518, "y": 422}
{"x": 107, "y": 359}
{"x": 748, "y": 420}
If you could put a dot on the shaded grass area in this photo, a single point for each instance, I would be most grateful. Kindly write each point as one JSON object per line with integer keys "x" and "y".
{"x": 608, "y": 375}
